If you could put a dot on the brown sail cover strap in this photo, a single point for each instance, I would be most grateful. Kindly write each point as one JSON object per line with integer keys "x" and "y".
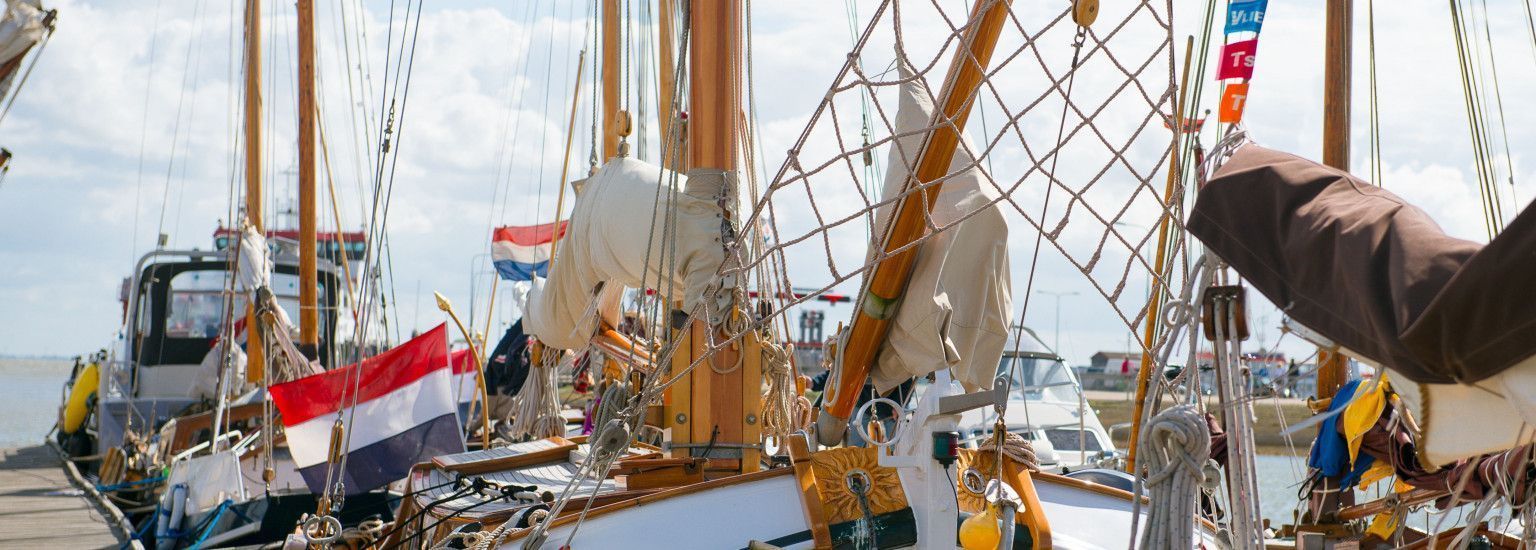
{"x": 1373, "y": 273}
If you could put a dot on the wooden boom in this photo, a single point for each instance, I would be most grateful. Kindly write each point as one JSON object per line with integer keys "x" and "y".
{"x": 889, "y": 279}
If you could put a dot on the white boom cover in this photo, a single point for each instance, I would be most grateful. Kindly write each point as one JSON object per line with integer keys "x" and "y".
{"x": 609, "y": 245}
{"x": 956, "y": 307}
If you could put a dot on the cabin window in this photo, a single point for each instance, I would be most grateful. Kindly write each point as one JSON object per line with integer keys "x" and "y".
{"x": 1039, "y": 379}
{"x": 196, "y": 304}
{"x": 1064, "y": 439}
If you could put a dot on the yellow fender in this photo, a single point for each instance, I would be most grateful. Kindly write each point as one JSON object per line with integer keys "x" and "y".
{"x": 80, "y": 397}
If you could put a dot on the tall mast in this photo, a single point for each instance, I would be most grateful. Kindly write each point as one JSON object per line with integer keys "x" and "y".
{"x": 716, "y": 408}
{"x": 1327, "y": 497}
{"x": 889, "y": 279}
{"x": 612, "y": 118}
{"x": 1336, "y": 93}
{"x": 666, "y": 68}
{"x": 256, "y": 368}
{"x": 309, "y": 312}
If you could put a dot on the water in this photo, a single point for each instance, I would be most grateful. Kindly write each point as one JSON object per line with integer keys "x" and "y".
{"x": 30, "y": 392}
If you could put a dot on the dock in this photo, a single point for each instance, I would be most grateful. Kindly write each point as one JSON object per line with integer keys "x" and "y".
{"x": 41, "y": 508}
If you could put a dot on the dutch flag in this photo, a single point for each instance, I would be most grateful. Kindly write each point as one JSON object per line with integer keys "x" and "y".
{"x": 521, "y": 252}
{"x": 405, "y": 414}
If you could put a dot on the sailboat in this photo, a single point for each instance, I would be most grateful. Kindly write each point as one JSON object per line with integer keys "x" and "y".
{"x": 710, "y": 369}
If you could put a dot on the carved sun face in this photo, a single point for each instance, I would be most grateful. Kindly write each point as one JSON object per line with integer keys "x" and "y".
{"x": 839, "y": 471}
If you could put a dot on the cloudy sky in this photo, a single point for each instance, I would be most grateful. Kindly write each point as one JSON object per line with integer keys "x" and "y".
{"x": 127, "y": 130}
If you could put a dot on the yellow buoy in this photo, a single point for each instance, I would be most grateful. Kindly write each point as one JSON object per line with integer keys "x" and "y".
{"x": 981, "y": 531}
{"x": 80, "y": 394}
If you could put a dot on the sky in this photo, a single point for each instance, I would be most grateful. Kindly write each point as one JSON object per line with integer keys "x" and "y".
{"x": 127, "y": 129}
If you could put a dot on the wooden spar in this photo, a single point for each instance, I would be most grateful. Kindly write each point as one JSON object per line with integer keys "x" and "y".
{"x": 666, "y": 69}
{"x": 1336, "y": 94}
{"x": 309, "y": 311}
{"x": 717, "y": 403}
{"x": 257, "y": 366}
{"x": 611, "y": 70}
{"x": 565, "y": 165}
{"x": 876, "y": 307}
{"x": 1155, "y": 301}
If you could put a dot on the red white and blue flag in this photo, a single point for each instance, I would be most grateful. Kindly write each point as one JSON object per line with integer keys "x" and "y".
{"x": 466, "y": 384}
{"x": 520, "y": 252}
{"x": 404, "y": 414}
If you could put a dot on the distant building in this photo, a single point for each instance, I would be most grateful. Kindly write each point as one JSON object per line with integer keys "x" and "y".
{"x": 1115, "y": 362}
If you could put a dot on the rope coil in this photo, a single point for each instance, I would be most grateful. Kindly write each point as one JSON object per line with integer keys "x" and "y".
{"x": 1177, "y": 446}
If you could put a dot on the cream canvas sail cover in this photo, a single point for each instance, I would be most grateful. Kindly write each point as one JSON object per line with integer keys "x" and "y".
{"x": 21, "y": 27}
{"x": 955, "y": 311}
{"x": 618, "y": 238}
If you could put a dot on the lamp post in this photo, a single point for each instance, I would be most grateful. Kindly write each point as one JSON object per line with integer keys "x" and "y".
{"x": 1058, "y": 296}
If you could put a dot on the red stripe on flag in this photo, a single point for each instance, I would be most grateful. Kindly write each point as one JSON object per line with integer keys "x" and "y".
{"x": 330, "y": 391}
{"x": 462, "y": 361}
{"x": 529, "y": 235}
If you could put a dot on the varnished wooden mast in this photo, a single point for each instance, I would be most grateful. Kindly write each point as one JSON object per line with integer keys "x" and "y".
{"x": 309, "y": 312}
{"x": 611, "y": 77}
{"x": 717, "y": 406}
{"x": 889, "y": 279}
{"x": 256, "y": 368}
{"x": 1336, "y": 94}
{"x": 667, "y": 69}
{"x": 1155, "y": 300}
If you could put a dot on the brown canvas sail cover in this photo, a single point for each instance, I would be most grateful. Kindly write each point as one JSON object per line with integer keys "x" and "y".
{"x": 1373, "y": 273}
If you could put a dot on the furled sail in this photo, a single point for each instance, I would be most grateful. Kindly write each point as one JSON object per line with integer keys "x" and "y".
{"x": 1379, "y": 278}
{"x": 21, "y": 27}
{"x": 634, "y": 225}
{"x": 955, "y": 311}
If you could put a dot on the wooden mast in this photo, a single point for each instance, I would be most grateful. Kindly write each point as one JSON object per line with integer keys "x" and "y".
{"x": 666, "y": 68}
{"x": 889, "y": 279}
{"x": 1336, "y": 94}
{"x": 309, "y": 312}
{"x": 716, "y": 407}
{"x": 257, "y": 365}
{"x": 1155, "y": 300}
{"x": 611, "y": 68}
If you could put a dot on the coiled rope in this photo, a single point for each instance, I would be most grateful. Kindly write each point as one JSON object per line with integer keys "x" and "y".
{"x": 1180, "y": 445}
{"x": 1014, "y": 447}
{"x": 784, "y": 411}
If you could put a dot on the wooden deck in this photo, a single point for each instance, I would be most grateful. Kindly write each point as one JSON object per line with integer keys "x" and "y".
{"x": 40, "y": 508}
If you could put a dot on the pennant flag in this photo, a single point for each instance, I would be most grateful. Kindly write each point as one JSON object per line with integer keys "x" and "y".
{"x": 465, "y": 386}
{"x": 1191, "y": 125}
{"x": 1246, "y": 16}
{"x": 1233, "y": 100}
{"x": 1237, "y": 60}
{"x": 404, "y": 414}
{"x": 520, "y": 252}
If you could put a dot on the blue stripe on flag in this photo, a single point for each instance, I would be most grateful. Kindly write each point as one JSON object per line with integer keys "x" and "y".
{"x": 388, "y": 460}
{"x": 520, "y": 271}
{"x": 1246, "y": 16}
